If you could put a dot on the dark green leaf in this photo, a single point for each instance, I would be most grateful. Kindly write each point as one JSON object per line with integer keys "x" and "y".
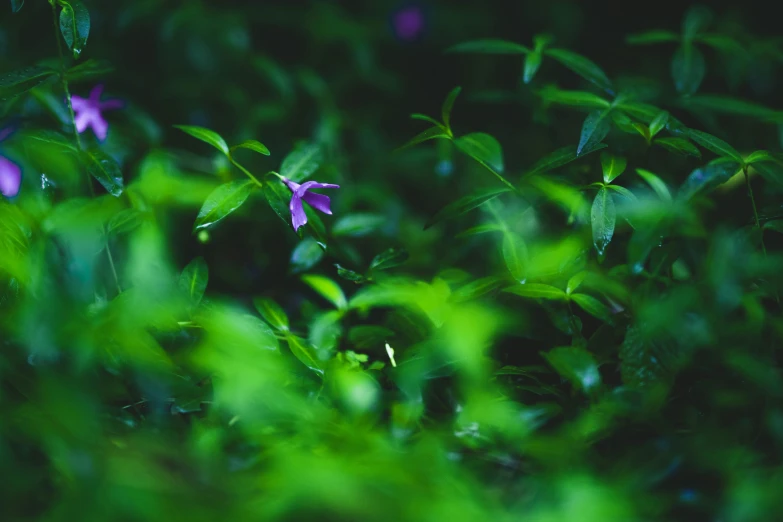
{"x": 16, "y": 5}
{"x": 105, "y": 169}
{"x": 696, "y": 20}
{"x": 515, "y": 255}
{"x": 595, "y": 128}
{"x": 368, "y": 336}
{"x": 688, "y": 68}
{"x": 658, "y": 123}
{"x": 51, "y": 138}
{"x": 679, "y": 145}
{"x": 433, "y": 133}
{"x": 532, "y": 64}
{"x": 652, "y": 37}
{"x": 205, "y": 135}
{"x": 612, "y": 166}
{"x": 428, "y": 119}
{"x": 489, "y": 46}
{"x": 603, "y": 217}
{"x": 448, "y": 104}
{"x": 562, "y": 156}
{"x": 464, "y": 204}
{"x": 729, "y": 105}
{"x": 593, "y": 306}
{"x": 389, "y": 259}
{"x": 537, "y": 291}
{"x": 272, "y": 313}
{"x": 193, "y": 280}
{"x": 255, "y": 146}
{"x": 304, "y": 352}
{"x": 575, "y": 364}
{"x": 656, "y": 183}
{"x": 125, "y": 221}
{"x": 302, "y": 162}
{"x": 582, "y": 99}
{"x": 278, "y": 196}
{"x": 350, "y": 275}
{"x": 772, "y": 171}
{"x": 358, "y": 225}
{"x": 306, "y": 255}
{"x": 327, "y": 288}
{"x": 74, "y": 25}
{"x": 90, "y": 70}
{"x": 483, "y": 148}
{"x": 707, "y": 178}
{"x": 477, "y": 288}
{"x": 716, "y": 145}
{"x": 223, "y": 201}
{"x": 20, "y": 81}
{"x": 722, "y": 43}
{"x": 581, "y": 66}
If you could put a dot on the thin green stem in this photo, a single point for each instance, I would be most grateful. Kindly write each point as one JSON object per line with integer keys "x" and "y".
{"x": 245, "y": 171}
{"x": 753, "y": 204}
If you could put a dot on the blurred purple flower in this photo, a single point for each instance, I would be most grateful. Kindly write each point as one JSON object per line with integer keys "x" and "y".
{"x": 300, "y": 193}
{"x": 10, "y": 177}
{"x": 88, "y": 112}
{"x": 408, "y": 23}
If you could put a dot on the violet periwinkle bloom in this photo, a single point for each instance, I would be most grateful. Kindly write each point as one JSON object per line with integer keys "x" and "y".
{"x": 408, "y": 23}
{"x": 10, "y": 177}
{"x": 302, "y": 193}
{"x": 88, "y": 112}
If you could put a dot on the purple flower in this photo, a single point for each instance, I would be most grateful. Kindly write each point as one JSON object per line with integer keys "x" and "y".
{"x": 88, "y": 112}
{"x": 409, "y": 23}
{"x": 301, "y": 192}
{"x": 10, "y": 177}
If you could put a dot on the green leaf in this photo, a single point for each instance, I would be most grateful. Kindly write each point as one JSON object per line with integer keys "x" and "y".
{"x": 760, "y": 155}
{"x": 477, "y": 288}
{"x": 464, "y": 204}
{"x": 272, "y": 313}
{"x": 716, "y": 145}
{"x": 358, "y": 225}
{"x": 302, "y": 162}
{"x": 659, "y": 123}
{"x": 448, "y": 104}
{"x": 595, "y": 128}
{"x": 89, "y": 70}
{"x": 593, "y": 306}
{"x": 532, "y": 64}
{"x": 205, "y": 135}
{"x": 350, "y": 275}
{"x": 581, "y": 66}
{"x": 330, "y": 290}
{"x": 656, "y": 183}
{"x": 612, "y": 166}
{"x": 560, "y": 157}
{"x": 722, "y": 43}
{"x": 772, "y": 171}
{"x": 624, "y": 192}
{"x": 489, "y": 46}
{"x": 515, "y": 255}
{"x": 105, "y": 169}
{"x": 306, "y": 255}
{"x": 575, "y": 282}
{"x": 706, "y": 178}
{"x": 389, "y": 259}
{"x": 125, "y": 221}
{"x": 603, "y": 216}
{"x": 74, "y": 25}
{"x": 278, "y": 196}
{"x": 16, "y": 5}
{"x": 304, "y": 352}
{"x": 642, "y": 129}
{"x": 688, "y": 68}
{"x": 652, "y": 37}
{"x": 193, "y": 280}
{"x": 577, "y": 365}
{"x": 729, "y": 105}
{"x": 483, "y": 148}
{"x": 582, "y": 99}
{"x": 51, "y": 138}
{"x": 537, "y": 291}
{"x": 696, "y": 19}
{"x": 20, "y": 81}
{"x": 433, "y": 133}
{"x": 428, "y": 119}
{"x": 254, "y": 145}
{"x": 224, "y": 200}
{"x": 679, "y": 146}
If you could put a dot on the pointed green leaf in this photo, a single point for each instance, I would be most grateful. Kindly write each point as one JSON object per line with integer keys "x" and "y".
{"x": 688, "y": 68}
{"x": 74, "y": 25}
{"x": 537, "y": 291}
{"x": 304, "y": 352}
{"x": 124, "y": 221}
{"x": 433, "y": 133}
{"x": 483, "y": 148}
{"x": 350, "y": 275}
{"x": 448, "y": 104}
{"x": 272, "y": 313}
{"x": 593, "y": 306}
{"x": 532, "y": 64}
{"x": 582, "y": 99}
{"x": 652, "y": 37}
{"x": 658, "y": 123}
{"x": 760, "y": 155}
{"x": 20, "y": 81}
{"x": 562, "y": 156}
{"x": 612, "y": 166}
{"x": 656, "y": 183}
{"x": 193, "y": 280}
{"x": 302, "y": 162}
{"x": 515, "y": 255}
{"x": 595, "y": 128}
{"x": 696, "y": 20}
{"x": 278, "y": 196}
{"x": 306, "y": 255}
{"x": 722, "y": 43}
{"x": 476, "y": 289}
{"x": 577, "y": 365}
{"x": 624, "y": 192}
{"x": 581, "y": 66}
{"x": 330, "y": 290}
{"x": 707, "y": 178}
{"x": 205, "y": 135}
{"x": 679, "y": 146}
{"x": 603, "y": 217}
{"x": 489, "y": 46}
{"x": 89, "y": 70}
{"x": 772, "y": 171}
{"x": 224, "y": 200}
{"x": 424, "y": 117}
{"x": 105, "y": 169}
{"x": 716, "y": 145}
{"x": 464, "y": 204}
{"x": 389, "y": 259}
{"x": 575, "y": 282}
{"x": 254, "y": 145}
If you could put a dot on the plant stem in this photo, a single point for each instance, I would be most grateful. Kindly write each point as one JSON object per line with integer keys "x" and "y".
{"x": 246, "y": 172}
{"x": 753, "y": 204}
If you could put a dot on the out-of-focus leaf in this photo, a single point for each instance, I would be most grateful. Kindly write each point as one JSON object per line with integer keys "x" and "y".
{"x": 722, "y": 43}
{"x": 16, "y": 5}
{"x": 612, "y": 166}
{"x": 658, "y": 123}
{"x": 328, "y": 289}
{"x": 772, "y": 171}
{"x": 272, "y": 313}
{"x": 350, "y": 275}
{"x": 224, "y": 200}
{"x": 74, "y": 25}
{"x": 125, "y": 221}
{"x": 728, "y": 105}
{"x": 583, "y": 99}
{"x": 302, "y": 162}
{"x": 656, "y": 183}
{"x": 489, "y": 46}
{"x": 562, "y": 156}
{"x": 20, "y": 81}
{"x": 483, "y": 148}
{"x": 688, "y": 68}
{"x": 716, "y": 145}
{"x": 679, "y": 145}
{"x": 448, "y": 105}
{"x": 433, "y": 133}
{"x": 581, "y": 66}
{"x": 706, "y": 178}
{"x": 89, "y": 70}
{"x": 358, "y": 225}
{"x": 515, "y": 254}
{"x": 477, "y": 288}
{"x": 603, "y": 217}
{"x": 537, "y": 291}
{"x": 696, "y": 20}
{"x": 575, "y": 364}
{"x": 652, "y": 37}
{"x": 595, "y": 128}
{"x": 105, "y": 169}
{"x": 369, "y": 336}
{"x": 304, "y": 352}
{"x": 463, "y": 205}
{"x": 532, "y": 64}
{"x": 593, "y": 306}
{"x": 193, "y": 280}
{"x": 575, "y": 282}
{"x": 306, "y": 255}
{"x": 389, "y": 259}
{"x": 205, "y": 135}
{"x": 254, "y": 145}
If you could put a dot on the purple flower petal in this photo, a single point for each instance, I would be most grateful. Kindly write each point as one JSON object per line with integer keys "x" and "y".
{"x": 318, "y": 202}
{"x": 298, "y": 216}
{"x": 304, "y": 187}
{"x": 291, "y": 185}
{"x": 110, "y": 105}
{"x": 78, "y": 103}
{"x": 408, "y": 23}
{"x": 88, "y": 112}
{"x": 10, "y": 177}
{"x": 95, "y": 93}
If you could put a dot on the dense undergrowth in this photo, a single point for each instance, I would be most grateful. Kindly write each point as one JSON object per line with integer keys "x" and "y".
{"x": 559, "y": 301}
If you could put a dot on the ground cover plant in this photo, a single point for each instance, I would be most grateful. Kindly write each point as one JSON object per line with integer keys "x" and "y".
{"x": 265, "y": 261}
